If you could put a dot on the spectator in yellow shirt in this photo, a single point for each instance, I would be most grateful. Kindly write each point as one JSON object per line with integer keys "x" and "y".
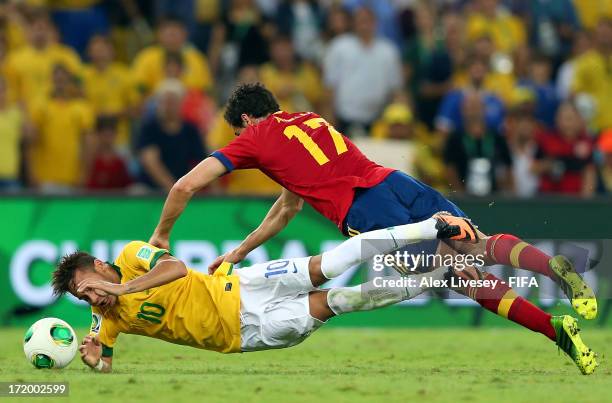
{"x": 12, "y": 24}
{"x": 506, "y": 30}
{"x": 148, "y": 66}
{"x": 60, "y": 153}
{"x": 12, "y": 131}
{"x": 108, "y": 87}
{"x": 29, "y": 68}
{"x": 295, "y": 84}
{"x": 591, "y": 11}
{"x": 397, "y": 123}
{"x": 593, "y": 75}
{"x": 500, "y": 78}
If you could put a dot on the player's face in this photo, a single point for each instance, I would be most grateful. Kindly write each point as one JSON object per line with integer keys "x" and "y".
{"x": 95, "y": 298}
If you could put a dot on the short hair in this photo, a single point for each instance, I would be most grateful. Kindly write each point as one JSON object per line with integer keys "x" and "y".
{"x": 281, "y": 38}
{"x": 540, "y": 58}
{"x": 68, "y": 265}
{"x": 106, "y": 122}
{"x": 37, "y": 15}
{"x": 101, "y": 38}
{"x": 251, "y": 99}
{"x": 475, "y": 58}
{"x": 366, "y": 9}
{"x": 171, "y": 19}
{"x": 63, "y": 68}
{"x": 176, "y": 58}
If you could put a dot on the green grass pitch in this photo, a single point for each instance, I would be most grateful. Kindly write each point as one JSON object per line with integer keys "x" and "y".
{"x": 339, "y": 365}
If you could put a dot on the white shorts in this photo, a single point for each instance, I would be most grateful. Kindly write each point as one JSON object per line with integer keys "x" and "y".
{"x": 274, "y": 310}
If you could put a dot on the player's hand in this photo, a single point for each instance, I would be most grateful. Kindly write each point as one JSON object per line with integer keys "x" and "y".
{"x": 91, "y": 350}
{"x": 234, "y": 256}
{"x": 102, "y": 288}
{"x": 159, "y": 241}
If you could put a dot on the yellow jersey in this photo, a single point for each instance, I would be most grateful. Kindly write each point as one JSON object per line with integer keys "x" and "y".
{"x": 197, "y": 310}
{"x": 29, "y": 70}
{"x": 72, "y": 4}
{"x": 591, "y": 11}
{"x": 304, "y": 80}
{"x": 61, "y": 125}
{"x": 11, "y": 122}
{"x": 505, "y": 30}
{"x": 111, "y": 92}
{"x": 149, "y": 69}
{"x": 593, "y": 76}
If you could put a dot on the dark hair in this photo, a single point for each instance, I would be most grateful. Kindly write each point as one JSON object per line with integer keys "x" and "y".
{"x": 252, "y": 99}
{"x": 102, "y": 38}
{"x": 171, "y": 19}
{"x": 475, "y": 58}
{"x": 63, "y": 68}
{"x": 540, "y": 58}
{"x": 106, "y": 122}
{"x": 64, "y": 273}
{"x": 281, "y": 38}
{"x": 37, "y": 15}
{"x": 176, "y": 58}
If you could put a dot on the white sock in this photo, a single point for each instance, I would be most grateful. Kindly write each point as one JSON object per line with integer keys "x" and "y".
{"x": 350, "y": 253}
{"x": 368, "y": 296}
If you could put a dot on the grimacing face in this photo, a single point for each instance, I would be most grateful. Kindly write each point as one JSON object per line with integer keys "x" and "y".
{"x": 95, "y": 298}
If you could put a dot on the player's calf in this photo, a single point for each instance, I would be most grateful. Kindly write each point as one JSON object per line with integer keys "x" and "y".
{"x": 502, "y": 300}
{"x": 382, "y": 291}
{"x": 358, "y": 248}
{"x": 512, "y": 251}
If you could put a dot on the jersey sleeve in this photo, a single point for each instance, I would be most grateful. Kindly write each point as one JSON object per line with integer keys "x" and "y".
{"x": 106, "y": 331}
{"x": 241, "y": 153}
{"x": 140, "y": 257}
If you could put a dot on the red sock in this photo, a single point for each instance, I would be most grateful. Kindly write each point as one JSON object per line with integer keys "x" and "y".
{"x": 512, "y": 251}
{"x": 503, "y": 301}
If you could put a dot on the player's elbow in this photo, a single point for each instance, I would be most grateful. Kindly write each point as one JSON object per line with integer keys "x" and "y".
{"x": 185, "y": 186}
{"x": 291, "y": 209}
{"x": 180, "y": 269}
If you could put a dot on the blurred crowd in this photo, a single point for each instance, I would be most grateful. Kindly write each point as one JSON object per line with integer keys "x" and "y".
{"x": 473, "y": 97}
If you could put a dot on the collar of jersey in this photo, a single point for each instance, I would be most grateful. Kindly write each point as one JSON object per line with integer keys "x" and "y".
{"x": 116, "y": 268}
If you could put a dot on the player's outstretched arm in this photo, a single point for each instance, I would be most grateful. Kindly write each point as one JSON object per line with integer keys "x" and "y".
{"x": 166, "y": 270}
{"x": 283, "y": 210}
{"x": 91, "y": 354}
{"x": 180, "y": 194}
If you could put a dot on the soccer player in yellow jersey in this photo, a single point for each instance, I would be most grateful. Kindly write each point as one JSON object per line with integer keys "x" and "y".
{"x": 276, "y": 304}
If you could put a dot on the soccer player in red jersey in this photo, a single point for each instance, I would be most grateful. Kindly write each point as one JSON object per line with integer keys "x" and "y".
{"x": 317, "y": 164}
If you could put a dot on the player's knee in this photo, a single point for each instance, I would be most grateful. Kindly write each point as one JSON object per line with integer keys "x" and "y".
{"x": 318, "y": 307}
{"x": 314, "y": 269}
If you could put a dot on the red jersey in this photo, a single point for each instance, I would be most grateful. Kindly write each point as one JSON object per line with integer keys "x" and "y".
{"x": 570, "y": 157}
{"x": 308, "y": 157}
{"x": 108, "y": 173}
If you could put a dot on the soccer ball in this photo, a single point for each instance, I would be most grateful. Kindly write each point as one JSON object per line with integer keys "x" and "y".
{"x": 50, "y": 343}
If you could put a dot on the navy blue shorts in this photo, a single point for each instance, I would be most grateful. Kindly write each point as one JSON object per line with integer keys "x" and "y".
{"x": 399, "y": 199}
